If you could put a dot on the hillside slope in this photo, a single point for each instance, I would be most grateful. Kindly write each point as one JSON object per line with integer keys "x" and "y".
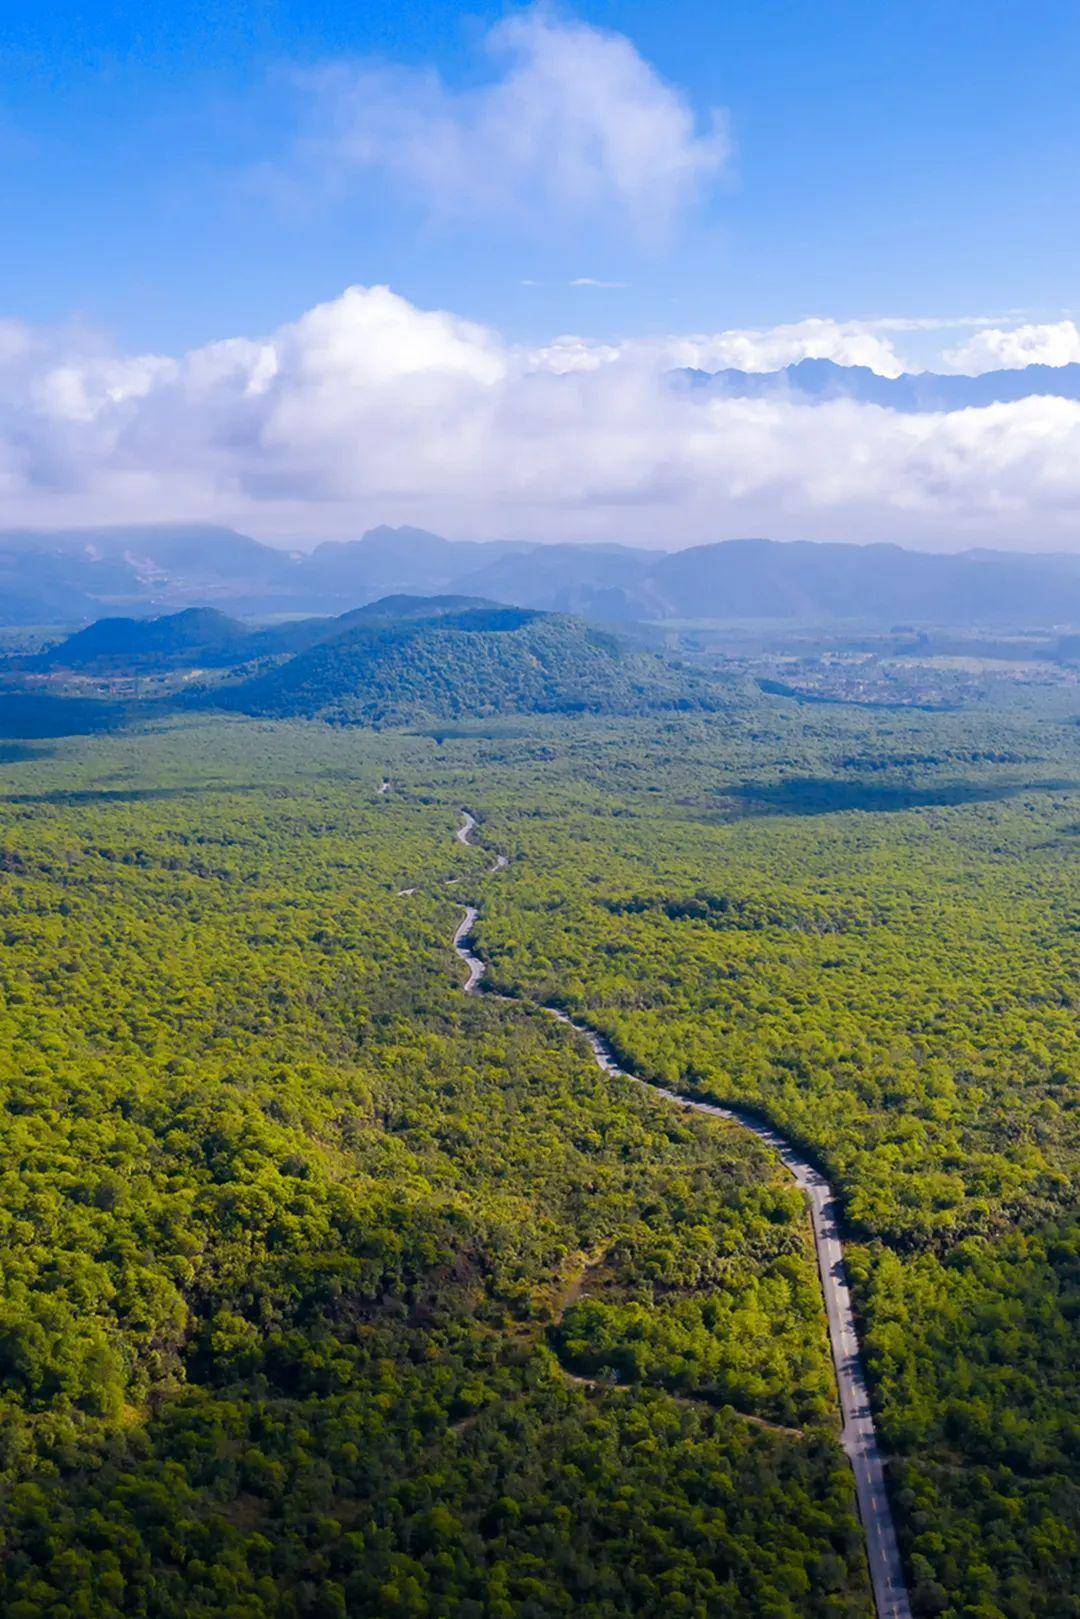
{"x": 488, "y": 660}
{"x": 202, "y": 635}
{"x": 197, "y": 634}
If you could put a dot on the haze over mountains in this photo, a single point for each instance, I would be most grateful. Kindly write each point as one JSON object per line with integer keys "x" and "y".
{"x": 69, "y": 577}
{"x": 912, "y": 392}
{"x": 72, "y": 577}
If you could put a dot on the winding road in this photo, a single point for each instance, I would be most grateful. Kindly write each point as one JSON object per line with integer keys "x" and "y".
{"x": 858, "y": 1435}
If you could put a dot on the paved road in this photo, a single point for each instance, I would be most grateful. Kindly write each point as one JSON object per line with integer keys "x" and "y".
{"x": 858, "y": 1435}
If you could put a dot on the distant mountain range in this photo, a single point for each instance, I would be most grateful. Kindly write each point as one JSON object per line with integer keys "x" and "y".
{"x": 913, "y": 391}
{"x": 67, "y": 578}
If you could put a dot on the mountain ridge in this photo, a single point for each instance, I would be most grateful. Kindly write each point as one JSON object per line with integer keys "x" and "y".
{"x": 145, "y": 573}
{"x": 912, "y": 392}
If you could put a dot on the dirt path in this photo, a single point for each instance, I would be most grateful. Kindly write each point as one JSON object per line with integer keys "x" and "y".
{"x": 696, "y": 1401}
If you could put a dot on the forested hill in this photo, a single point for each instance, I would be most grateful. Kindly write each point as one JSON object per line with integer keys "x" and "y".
{"x": 486, "y": 660}
{"x": 202, "y": 635}
{"x": 196, "y": 634}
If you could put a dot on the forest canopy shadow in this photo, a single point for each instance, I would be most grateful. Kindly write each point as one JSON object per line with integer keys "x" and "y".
{"x": 27, "y": 716}
{"x": 134, "y": 795}
{"x": 17, "y": 753}
{"x": 824, "y": 795}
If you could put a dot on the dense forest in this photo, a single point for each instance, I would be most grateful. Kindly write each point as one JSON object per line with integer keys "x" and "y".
{"x": 872, "y": 938}
{"x": 327, "y": 1291}
{"x": 292, "y": 1234}
{"x": 485, "y": 660}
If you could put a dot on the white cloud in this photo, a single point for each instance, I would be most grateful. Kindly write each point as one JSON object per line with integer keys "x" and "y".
{"x": 16, "y": 340}
{"x": 1012, "y": 348}
{"x": 569, "y": 353}
{"x": 929, "y": 323}
{"x": 369, "y": 336}
{"x": 770, "y": 349}
{"x": 369, "y": 409}
{"x": 77, "y": 390}
{"x": 577, "y": 121}
{"x": 847, "y": 343}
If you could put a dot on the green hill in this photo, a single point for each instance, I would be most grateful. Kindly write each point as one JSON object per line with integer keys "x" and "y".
{"x": 199, "y": 634}
{"x": 204, "y": 635}
{"x": 482, "y": 661}
{"x": 297, "y": 635}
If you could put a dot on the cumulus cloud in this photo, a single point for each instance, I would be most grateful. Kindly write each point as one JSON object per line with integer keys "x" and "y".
{"x": 850, "y": 342}
{"x": 1012, "y": 348}
{"x": 847, "y": 343}
{"x": 570, "y": 353}
{"x": 369, "y": 409}
{"x": 575, "y": 121}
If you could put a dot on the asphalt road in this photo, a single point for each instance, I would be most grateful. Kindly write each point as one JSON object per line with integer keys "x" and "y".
{"x": 858, "y": 1434}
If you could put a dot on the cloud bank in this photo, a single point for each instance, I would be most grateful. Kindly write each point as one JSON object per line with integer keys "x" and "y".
{"x": 370, "y": 409}
{"x": 1055, "y": 343}
{"x": 575, "y": 122}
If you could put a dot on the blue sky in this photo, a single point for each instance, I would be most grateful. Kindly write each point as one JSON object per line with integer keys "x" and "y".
{"x": 917, "y": 160}
{"x": 305, "y": 268}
